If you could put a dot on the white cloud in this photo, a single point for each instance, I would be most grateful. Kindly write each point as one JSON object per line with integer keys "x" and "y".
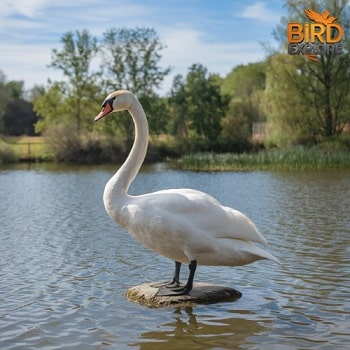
{"x": 186, "y": 46}
{"x": 28, "y": 63}
{"x": 28, "y": 8}
{"x": 34, "y": 27}
{"x": 259, "y": 11}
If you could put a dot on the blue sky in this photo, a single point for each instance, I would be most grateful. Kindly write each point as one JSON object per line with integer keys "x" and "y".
{"x": 220, "y": 34}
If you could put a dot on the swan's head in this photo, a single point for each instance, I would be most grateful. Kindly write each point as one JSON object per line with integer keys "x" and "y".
{"x": 120, "y": 100}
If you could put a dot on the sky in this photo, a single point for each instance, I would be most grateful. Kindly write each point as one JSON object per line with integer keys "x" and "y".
{"x": 219, "y": 34}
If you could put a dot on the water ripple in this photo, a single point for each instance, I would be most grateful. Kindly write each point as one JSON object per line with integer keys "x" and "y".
{"x": 64, "y": 266}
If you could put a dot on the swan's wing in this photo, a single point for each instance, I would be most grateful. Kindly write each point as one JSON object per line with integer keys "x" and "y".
{"x": 242, "y": 227}
{"x": 199, "y": 213}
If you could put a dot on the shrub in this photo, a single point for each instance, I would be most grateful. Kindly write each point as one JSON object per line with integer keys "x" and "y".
{"x": 69, "y": 146}
{"x": 6, "y": 153}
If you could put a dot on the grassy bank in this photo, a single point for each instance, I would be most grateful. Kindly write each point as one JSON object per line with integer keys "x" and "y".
{"x": 295, "y": 158}
{"x": 6, "y": 153}
{"x": 83, "y": 149}
{"x": 24, "y": 148}
{"x": 332, "y": 154}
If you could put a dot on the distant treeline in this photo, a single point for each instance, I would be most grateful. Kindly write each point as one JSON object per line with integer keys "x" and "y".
{"x": 299, "y": 100}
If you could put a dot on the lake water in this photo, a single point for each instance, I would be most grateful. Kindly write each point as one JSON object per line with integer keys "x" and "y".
{"x": 65, "y": 266}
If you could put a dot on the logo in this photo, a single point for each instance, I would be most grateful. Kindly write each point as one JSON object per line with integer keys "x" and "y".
{"x": 320, "y": 37}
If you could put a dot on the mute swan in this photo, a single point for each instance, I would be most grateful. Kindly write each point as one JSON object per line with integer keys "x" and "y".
{"x": 184, "y": 225}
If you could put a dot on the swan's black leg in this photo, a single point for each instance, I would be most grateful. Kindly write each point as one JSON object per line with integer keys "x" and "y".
{"x": 187, "y": 288}
{"x": 176, "y": 278}
{"x": 189, "y": 285}
{"x": 175, "y": 282}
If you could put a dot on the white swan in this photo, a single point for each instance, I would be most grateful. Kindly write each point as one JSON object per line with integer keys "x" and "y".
{"x": 184, "y": 225}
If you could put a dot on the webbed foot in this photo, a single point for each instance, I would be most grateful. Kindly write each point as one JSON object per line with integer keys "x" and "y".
{"x": 182, "y": 290}
{"x": 169, "y": 284}
{"x": 167, "y": 292}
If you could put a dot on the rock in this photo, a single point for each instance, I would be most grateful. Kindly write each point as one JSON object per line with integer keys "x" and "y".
{"x": 202, "y": 293}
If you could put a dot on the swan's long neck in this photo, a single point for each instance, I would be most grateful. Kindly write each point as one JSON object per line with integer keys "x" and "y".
{"x": 119, "y": 184}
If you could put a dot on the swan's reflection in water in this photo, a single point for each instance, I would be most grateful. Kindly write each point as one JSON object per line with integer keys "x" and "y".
{"x": 192, "y": 330}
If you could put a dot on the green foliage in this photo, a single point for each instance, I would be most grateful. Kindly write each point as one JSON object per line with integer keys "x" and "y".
{"x": 52, "y": 106}
{"x": 70, "y": 146}
{"x": 178, "y": 108}
{"x": 246, "y": 87}
{"x": 19, "y": 118}
{"x": 206, "y": 105}
{"x": 308, "y": 101}
{"x": 197, "y": 105}
{"x": 5, "y": 98}
{"x": 16, "y": 114}
{"x": 131, "y": 62}
{"x": 289, "y": 120}
{"x": 74, "y": 60}
{"x": 157, "y": 113}
{"x": 6, "y": 153}
{"x": 303, "y": 102}
{"x": 16, "y": 88}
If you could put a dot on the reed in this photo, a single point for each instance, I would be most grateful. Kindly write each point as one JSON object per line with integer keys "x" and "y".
{"x": 295, "y": 158}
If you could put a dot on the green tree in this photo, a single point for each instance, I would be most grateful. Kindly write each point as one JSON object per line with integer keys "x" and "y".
{"x": 74, "y": 60}
{"x": 16, "y": 88}
{"x": 35, "y": 92}
{"x": 20, "y": 118}
{"x": 197, "y": 102}
{"x": 246, "y": 87}
{"x": 16, "y": 114}
{"x": 131, "y": 61}
{"x": 206, "y": 106}
{"x": 289, "y": 118}
{"x": 178, "y": 108}
{"x": 52, "y": 106}
{"x": 319, "y": 90}
{"x": 65, "y": 141}
{"x": 5, "y": 98}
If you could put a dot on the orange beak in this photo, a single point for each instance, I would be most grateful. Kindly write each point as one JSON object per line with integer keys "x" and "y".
{"x": 105, "y": 110}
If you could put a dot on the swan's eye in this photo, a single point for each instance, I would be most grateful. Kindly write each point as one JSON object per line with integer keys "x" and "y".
{"x": 109, "y": 102}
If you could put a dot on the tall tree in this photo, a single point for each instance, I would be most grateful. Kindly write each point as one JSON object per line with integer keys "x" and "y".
{"x": 131, "y": 61}
{"x": 205, "y": 102}
{"x": 178, "y": 108}
{"x": 79, "y": 49}
{"x": 16, "y": 114}
{"x": 52, "y": 106}
{"x": 199, "y": 104}
{"x": 16, "y": 88}
{"x": 5, "y": 98}
{"x": 246, "y": 87}
{"x": 20, "y": 118}
{"x": 320, "y": 89}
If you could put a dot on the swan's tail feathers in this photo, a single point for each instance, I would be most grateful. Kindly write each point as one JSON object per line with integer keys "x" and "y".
{"x": 262, "y": 239}
{"x": 263, "y": 254}
{"x": 273, "y": 258}
{"x": 245, "y": 229}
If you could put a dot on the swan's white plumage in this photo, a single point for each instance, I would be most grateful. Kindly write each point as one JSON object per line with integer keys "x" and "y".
{"x": 180, "y": 224}
{"x": 185, "y": 225}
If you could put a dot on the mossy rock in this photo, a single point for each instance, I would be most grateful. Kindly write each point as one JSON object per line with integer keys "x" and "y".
{"x": 202, "y": 293}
